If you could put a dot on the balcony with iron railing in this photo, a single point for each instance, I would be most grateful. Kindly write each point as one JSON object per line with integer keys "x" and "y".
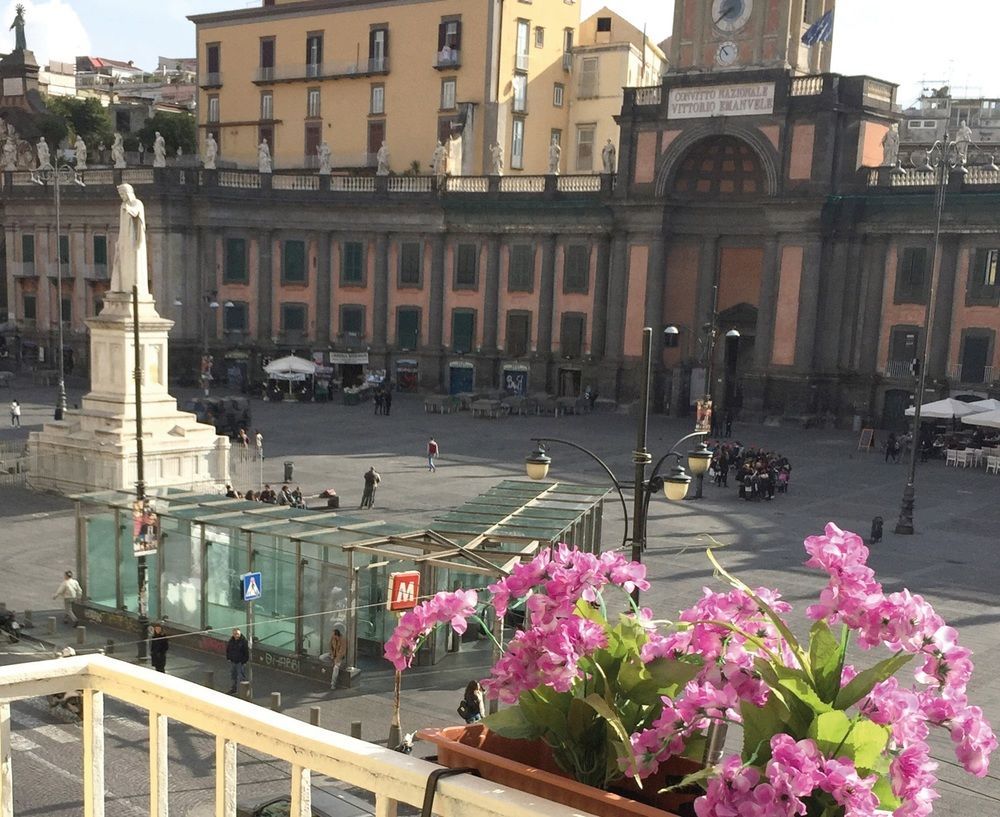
{"x": 210, "y": 80}
{"x": 446, "y": 59}
{"x": 970, "y": 375}
{"x": 898, "y": 369}
{"x": 166, "y": 703}
{"x": 334, "y": 69}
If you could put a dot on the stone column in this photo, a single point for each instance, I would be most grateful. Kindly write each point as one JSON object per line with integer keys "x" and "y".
{"x": 491, "y": 294}
{"x": 324, "y": 273}
{"x": 210, "y": 284}
{"x": 940, "y": 333}
{"x": 380, "y": 290}
{"x": 768, "y": 300}
{"x": 546, "y": 295}
{"x": 655, "y": 263}
{"x": 614, "y": 343}
{"x": 864, "y": 356}
{"x": 265, "y": 282}
{"x": 435, "y": 310}
{"x": 809, "y": 292}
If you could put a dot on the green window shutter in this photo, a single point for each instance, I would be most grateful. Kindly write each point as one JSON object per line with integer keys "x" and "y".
{"x": 100, "y": 250}
{"x": 408, "y": 328}
{"x": 294, "y": 262}
{"x": 463, "y": 331}
{"x": 28, "y": 249}
{"x": 353, "y": 266}
{"x": 236, "y": 261}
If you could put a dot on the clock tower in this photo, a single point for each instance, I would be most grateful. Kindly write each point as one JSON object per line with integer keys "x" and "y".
{"x": 726, "y": 35}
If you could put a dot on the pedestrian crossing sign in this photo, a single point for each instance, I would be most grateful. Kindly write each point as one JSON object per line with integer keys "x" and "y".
{"x": 251, "y": 586}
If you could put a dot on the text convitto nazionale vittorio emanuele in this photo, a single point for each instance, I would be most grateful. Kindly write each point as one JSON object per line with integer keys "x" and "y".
{"x": 722, "y": 100}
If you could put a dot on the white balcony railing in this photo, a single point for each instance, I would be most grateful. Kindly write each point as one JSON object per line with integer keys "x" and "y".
{"x": 970, "y": 374}
{"x": 650, "y": 95}
{"x": 807, "y": 86}
{"x": 521, "y": 62}
{"x": 898, "y": 369}
{"x": 448, "y": 59}
{"x": 393, "y": 778}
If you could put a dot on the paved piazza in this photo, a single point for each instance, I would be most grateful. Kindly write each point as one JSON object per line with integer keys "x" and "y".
{"x": 951, "y": 561}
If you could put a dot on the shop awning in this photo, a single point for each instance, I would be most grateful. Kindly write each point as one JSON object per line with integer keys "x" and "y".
{"x": 290, "y": 368}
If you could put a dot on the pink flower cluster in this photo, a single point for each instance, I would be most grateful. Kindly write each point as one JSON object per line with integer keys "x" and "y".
{"x": 796, "y": 770}
{"x": 556, "y": 640}
{"x": 444, "y": 608}
{"x": 904, "y": 622}
{"x": 728, "y": 631}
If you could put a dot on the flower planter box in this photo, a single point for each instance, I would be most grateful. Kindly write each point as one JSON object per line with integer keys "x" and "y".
{"x": 528, "y": 766}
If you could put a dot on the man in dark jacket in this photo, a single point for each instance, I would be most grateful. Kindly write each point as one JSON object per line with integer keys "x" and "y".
{"x": 158, "y": 646}
{"x": 237, "y": 654}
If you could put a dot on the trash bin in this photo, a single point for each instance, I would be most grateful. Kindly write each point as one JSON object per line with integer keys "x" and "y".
{"x": 876, "y": 536}
{"x": 289, "y": 467}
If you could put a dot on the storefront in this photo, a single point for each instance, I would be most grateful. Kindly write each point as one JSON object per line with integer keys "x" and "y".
{"x": 461, "y": 377}
{"x": 350, "y": 368}
{"x": 407, "y": 375}
{"x": 515, "y": 379}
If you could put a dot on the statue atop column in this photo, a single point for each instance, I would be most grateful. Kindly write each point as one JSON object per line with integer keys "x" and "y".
{"x": 382, "y": 157}
{"x": 211, "y": 151}
{"x": 263, "y": 157}
{"x": 439, "y": 161}
{"x": 609, "y": 157}
{"x": 80, "y": 149}
{"x": 130, "y": 267}
{"x": 555, "y": 154}
{"x": 890, "y": 146}
{"x": 44, "y": 157}
{"x": 325, "y": 158}
{"x": 18, "y": 28}
{"x": 10, "y": 152}
{"x": 962, "y": 140}
{"x": 118, "y": 152}
{"x": 159, "y": 151}
{"x": 496, "y": 158}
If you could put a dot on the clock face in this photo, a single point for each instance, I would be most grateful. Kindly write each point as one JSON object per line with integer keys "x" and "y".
{"x": 727, "y": 54}
{"x": 731, "y": 15}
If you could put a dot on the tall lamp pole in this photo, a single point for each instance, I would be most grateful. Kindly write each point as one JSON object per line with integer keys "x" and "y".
{"x": 62, "y": 173}
{"x": 142, "y": 593}
{"x": 674, "y": 485}
{"x": 943, "y": 157}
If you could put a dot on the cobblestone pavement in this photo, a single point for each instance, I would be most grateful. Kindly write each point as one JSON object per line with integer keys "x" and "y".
{"x": 951, "y": 560}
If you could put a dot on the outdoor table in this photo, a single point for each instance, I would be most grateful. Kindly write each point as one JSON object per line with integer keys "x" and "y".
{"x": 486, "y": 408}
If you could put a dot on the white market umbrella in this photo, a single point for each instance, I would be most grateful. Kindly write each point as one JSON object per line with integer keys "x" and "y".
{"x": 290, "y": 368}
{"x": 990, "y": 419}
{"x": 989, "y": 404}
{"x": 947, "y": 409}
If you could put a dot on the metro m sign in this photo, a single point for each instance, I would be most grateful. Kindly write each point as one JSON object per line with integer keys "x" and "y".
{"x": 403, "y": 590}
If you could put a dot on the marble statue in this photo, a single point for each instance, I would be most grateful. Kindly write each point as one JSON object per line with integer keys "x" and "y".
{"x": 159, "y": 151}
{"x": 10, "y": 153}
{"x": 555, "y": 154}
{"x": 44, "y": 157}
{"x": 890, "y": 146}
{"x": 609, "y": 157}
{"x": 130, "y": 256}
{"x": 382, "y": 157}
{"x": 325, "y": 158}
{"x": 962, "y": 140}
{"x": 180, "y": 152}
{"x": 18, "y": 28}
{"x": 80, "y": 148}
{"x": 211, "y": 152}
{"x": 439, "y": 161}
{"x": 263, "y": 157}
{"x": 496, "y": 158}
{"x": 118, "y": 152}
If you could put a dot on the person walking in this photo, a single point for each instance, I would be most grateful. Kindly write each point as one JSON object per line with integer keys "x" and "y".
{"x": 337, "y": 654}
{"x": 244, "y": 439}
{"x": 238, "y": 656}
{"x": 387, "y": 402}
{"x": 729, "y": 424}
{"x": 432, "y": 451}
{"x": 892, "y": 448}
{"x": 473, "y": 705}
{"x": 372, "y": 479}
{"x": 259, "y": 442}
{"x": 379, "y": 401}
{"x": 15, "y": 414}
{"x": 69, "y": 591}
{"x": 159, "y": 643}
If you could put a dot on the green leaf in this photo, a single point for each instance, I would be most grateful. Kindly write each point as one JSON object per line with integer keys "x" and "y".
{"x": 672, "y": 674}
{"x": 826, "y": 655}
{"x": 601, "y": 707}
{"x": 829, "y": 730}
{"x": 883, "y": 791}
{"x": 511, "y": 723}
{"x": 861, "y": 685}
{"x": 548, "y": 715}
{"x": 865, "y": 744}
{"x": 760, "y": 724}
{"x": 804, "y": 692}
{"x": 580, "y": 719}
{"x": 691, "y": 779}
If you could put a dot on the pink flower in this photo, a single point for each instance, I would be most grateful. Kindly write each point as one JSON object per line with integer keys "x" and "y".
{"x": 974, "y": 740}
{"x": 841, "y": 781}
{"x": 911, "y": 774}
{"x": 452, "y": 608}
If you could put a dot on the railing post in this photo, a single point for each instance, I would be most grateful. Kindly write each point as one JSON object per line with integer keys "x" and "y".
{"x": 225, "y": 777}
{"x": 385, "y": 806}
{"x": 159, "y": 786}
{"x": 6, "y": 773}
{"x": 93, "y": 753}
{"x": 301, "y": 792}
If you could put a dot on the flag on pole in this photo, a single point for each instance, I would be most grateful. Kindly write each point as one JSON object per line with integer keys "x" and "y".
{"x": 821, "y": 31}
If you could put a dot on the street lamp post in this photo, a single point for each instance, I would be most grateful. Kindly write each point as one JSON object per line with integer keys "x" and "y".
{"x": 62, "y": 173}
{"x": 206, "y": 360}
{"x": 142, "y": 591}
{"x": 674, "y": 485}
{"x": 943, "y": 157}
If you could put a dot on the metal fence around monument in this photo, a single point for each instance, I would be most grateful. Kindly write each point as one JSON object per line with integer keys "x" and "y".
{"x": 246, "y": 469}
{"x": 14, "y": 463}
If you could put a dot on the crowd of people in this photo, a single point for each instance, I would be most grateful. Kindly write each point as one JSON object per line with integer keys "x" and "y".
{"x": 759, "y": 474}
{"x": 292, "y": 497}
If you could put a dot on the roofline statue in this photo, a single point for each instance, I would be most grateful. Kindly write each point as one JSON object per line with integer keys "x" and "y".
{"x": 18, "y": 27}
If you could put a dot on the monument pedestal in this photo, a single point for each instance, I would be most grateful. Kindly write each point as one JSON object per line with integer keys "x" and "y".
{"x": 94, "y": 448}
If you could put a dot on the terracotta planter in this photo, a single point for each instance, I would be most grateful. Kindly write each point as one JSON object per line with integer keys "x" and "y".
{"x": 528, "y": 766}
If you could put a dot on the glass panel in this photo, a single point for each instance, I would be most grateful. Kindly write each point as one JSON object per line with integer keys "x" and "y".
{"x": 100, "y": 578}
{"x": 227, "y": 561}
{"x": 181, "y": 586}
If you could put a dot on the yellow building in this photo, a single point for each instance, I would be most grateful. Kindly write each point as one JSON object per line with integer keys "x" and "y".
{"x": 610, "y": 54}
{"x": 355, "y": 73}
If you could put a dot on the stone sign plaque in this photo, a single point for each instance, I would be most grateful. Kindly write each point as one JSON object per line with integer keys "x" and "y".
{"x": 13, "y": 86}
{"x": 745, "y": 99}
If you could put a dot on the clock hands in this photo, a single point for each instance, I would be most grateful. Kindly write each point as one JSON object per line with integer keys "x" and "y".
{"x": 728, "y": 7}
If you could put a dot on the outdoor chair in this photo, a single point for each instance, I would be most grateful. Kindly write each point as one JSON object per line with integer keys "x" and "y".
{"x": 993, "y": 464}
{"x": 951, "y": 458}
